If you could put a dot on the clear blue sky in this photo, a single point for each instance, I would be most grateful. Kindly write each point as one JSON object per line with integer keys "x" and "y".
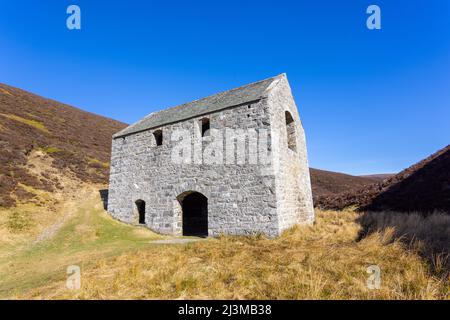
{"x": 370, "y": 101}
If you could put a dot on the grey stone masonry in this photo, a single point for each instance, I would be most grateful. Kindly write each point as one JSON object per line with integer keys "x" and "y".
{"x": 233, "y": 163}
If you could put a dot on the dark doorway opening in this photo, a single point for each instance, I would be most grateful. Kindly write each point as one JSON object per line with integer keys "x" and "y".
{"x": 195, "y": 215}
{"x": 140, "y": 205}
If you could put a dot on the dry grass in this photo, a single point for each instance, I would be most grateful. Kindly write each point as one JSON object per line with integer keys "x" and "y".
{"x": 328, "y": 260}
{"x": 427, "y": 235}
{"x": 79, "y": 233}
{"x": 4, "y": 91}
{"x": 23, "y": 224}
{"x": 324, "y": 261}
{"x": 98, "y": 162}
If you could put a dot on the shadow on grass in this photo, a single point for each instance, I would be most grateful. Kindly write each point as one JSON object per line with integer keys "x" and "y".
{"x": 429, "y": 235}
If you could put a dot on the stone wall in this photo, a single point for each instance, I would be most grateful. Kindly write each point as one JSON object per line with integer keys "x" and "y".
{"x": 294, "y": 196}
{"x": 241, "y": 198}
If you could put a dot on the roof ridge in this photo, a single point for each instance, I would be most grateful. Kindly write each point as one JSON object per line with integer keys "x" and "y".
{"x": 218, "y": 93}
{"x": 212, "y": 103}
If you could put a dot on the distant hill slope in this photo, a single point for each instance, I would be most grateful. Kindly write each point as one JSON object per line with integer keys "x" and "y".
{"x": 424, "y": 187}
{"x": 379, "y": 177}
{"x": 75, "y": 139}
{"x": 327, "y": 183}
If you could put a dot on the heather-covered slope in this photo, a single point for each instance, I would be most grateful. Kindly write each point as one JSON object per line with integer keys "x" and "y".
{"x": 423, "y": 187}
{"x": 76, "y": 140}
{"x": 327, "y": 183}
{"x": 379, "y": 177}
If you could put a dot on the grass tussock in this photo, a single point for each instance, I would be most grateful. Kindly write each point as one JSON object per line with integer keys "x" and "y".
{"x": 18, "y": 221}
{"x": 326, "y": 261}
{"x": 428, "y": 235}
{"x": 50, "y": 149}
{"x": 97, "y": 162}
{"x": 4, "y": 91}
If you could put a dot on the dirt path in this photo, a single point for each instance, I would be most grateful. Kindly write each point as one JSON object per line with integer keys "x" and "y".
{"x": 68, "y": 210}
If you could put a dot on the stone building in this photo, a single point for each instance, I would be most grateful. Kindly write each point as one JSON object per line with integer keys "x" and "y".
{"x": 231, "y": 163}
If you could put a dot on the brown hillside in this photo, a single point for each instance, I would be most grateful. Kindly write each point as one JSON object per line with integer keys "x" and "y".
{"x": 76, "y": 140}
{"x": 423, "y": 187}
{"x": 328, "y": 183}
{"x": 379, "y": 177}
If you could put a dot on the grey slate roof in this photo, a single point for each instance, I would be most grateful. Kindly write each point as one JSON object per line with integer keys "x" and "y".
{"x": 238, "y": 96}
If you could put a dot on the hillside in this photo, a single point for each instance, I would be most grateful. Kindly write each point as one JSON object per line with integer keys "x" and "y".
{"x": 77, "y": 142}
{"x": 379, "y": 177}
{"x": 327, "y": 183}
{"x": 424, "y": 187}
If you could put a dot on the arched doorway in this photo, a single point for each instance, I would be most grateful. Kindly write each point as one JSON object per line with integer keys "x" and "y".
{"x": 140, "y": 206}
{"x": 195, "y": 214}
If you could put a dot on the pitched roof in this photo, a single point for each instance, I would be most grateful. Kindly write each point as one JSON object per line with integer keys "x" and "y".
{"x": 234, "y": 97}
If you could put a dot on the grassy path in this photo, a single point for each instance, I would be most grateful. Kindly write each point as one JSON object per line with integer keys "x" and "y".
{"x": 88, "y": 234}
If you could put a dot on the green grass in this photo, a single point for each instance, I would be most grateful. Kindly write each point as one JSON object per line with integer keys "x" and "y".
{"x": 18, "y": 221}
{"x": 89, "y": 235}
{"x": 50, "y": 149}
{"x": 33, "y": 123}
{"x": 96, "y": 161}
